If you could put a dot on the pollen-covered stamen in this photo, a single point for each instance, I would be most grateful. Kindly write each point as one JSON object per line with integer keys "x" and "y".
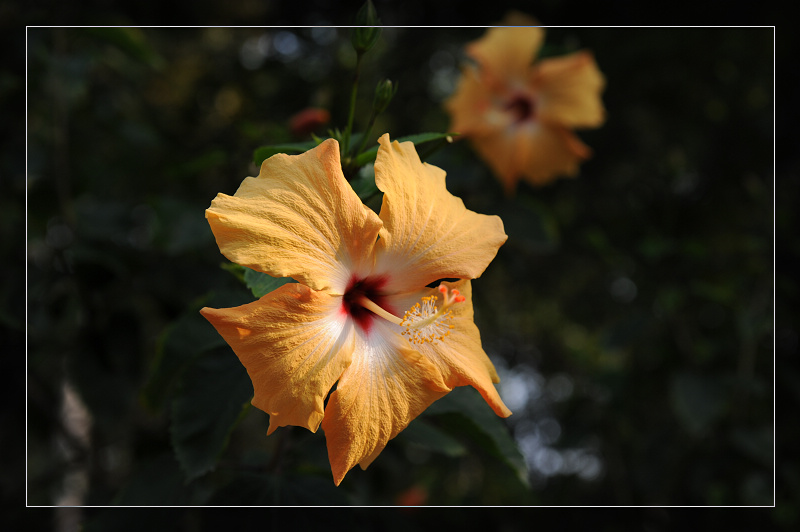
{"x": 425, "y": 322}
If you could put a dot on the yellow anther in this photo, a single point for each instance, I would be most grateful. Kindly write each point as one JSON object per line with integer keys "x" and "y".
{"x": 425, "y": 322}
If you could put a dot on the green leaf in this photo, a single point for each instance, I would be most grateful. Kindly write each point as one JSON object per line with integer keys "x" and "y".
{"x": 420, "y": 138}
{"x": 421, "y": 433}
{"x": 261, "y": 284}
{"x": 182, "y": 341}
{"x": 235, "y": 270}
{"x": 265, "y": 152}
{"x": 364, "y": 188}
{"x": 214, "y": 394}
{"x": 364, "y": 185}
{"x": 486, "y": 429}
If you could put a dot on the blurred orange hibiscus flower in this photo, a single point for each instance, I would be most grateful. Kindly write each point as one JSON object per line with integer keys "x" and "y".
{"x": 519, "y": 114}
{"x": 361, "y": 316}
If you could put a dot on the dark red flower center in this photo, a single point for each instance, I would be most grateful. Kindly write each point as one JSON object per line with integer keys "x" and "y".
{"x": 357, "y": 289}
{"x": 521, "y": 107}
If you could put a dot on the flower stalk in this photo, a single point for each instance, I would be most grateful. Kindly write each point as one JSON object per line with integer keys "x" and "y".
{"x": 351, "y": 113}
{"x": 384, "y": 92}
{"x": 363, "y": 38}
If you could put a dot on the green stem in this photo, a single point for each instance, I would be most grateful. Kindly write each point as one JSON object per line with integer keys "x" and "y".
{"x": 353, "y": 94}
{"x": 366, "y": 134}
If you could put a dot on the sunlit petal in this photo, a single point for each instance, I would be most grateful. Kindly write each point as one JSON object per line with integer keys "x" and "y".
{"x": 386, "y": 386}
{"x": 428, "y": 233}
{"x": 459, "y": 356}
{"x": 470, "y": 104}
{"x": 294, "y": 343}
{"x": 299, "y": 218}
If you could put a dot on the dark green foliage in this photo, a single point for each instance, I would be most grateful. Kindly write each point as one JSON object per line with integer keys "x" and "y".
{"x": 479, "y": 421}
{"x": 261, "y": 284}
{"x": 212, "y": 397}
{"x": 631, "y": 312}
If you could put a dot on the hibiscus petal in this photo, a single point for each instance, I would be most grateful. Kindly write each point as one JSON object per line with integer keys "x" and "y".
{"x": 568, "y": 89}
{"x": 428, "y": 233}
{"x": 459, "y": 357}
{"x": 535, "y": 151}
{"x": 469, "y": 104}
{"x": 386, "y": 386}
{"x": 506, "y": 152}
{"x": 552, "y": 152}
{"x": 507, "y": 52}
{"x": 294, "y": 343}
{"x": 299, "y": 218}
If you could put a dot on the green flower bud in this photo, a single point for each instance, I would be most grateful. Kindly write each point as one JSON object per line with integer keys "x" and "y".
{"x": 384, "y": 92}
{"x": 366, "y": 35}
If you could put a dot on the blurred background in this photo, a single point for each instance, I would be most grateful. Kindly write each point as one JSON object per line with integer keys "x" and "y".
{"x": 631, "y": 314}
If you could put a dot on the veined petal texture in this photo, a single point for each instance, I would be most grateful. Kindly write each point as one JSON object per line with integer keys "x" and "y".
{"x": 428, "y": 233}
{"x": 386, "y": 386}
{"x": 299, "y": 218}
{"x": 295, "y": 343}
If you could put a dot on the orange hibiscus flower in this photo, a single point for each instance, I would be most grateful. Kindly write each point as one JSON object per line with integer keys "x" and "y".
{"x": 361, "y": 316}
{"x": 519, "y": 114}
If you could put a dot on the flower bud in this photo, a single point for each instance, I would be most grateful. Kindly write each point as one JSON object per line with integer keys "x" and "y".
{"x": 366, "y": 34}
{"x": 384, "y": 92}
